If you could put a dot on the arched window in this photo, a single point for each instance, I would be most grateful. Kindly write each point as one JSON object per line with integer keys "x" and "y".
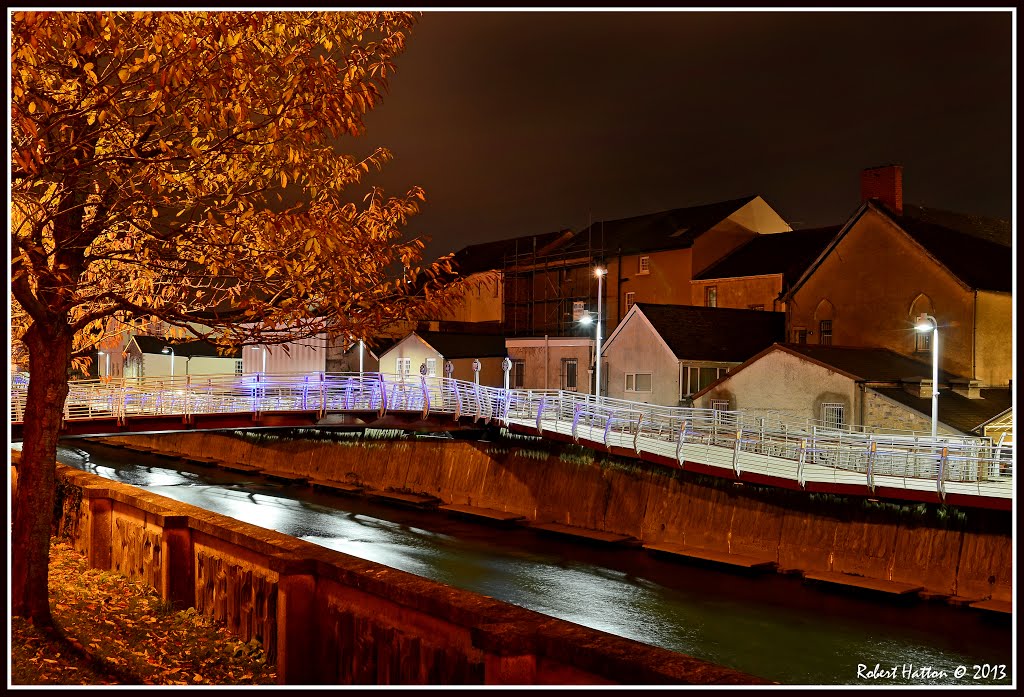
{"x": 922, "y": 305}
{"x": 823, "y": 316}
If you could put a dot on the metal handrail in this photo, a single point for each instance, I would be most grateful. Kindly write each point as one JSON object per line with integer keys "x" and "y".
{"x": 733, "y": 440}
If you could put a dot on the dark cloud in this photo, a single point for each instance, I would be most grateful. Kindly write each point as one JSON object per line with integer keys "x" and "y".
{"x": 518, "y": 123}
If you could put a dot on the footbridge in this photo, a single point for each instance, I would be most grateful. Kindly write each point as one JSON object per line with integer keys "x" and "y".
{"x": 760, "y": 448}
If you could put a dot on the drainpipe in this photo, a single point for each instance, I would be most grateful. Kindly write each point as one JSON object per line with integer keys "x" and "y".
{"x": 974, "y": 339}
{"x": 546, "y": 361}
{"x": 618, "y": 289}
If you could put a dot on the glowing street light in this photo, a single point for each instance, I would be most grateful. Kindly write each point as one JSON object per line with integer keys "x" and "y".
{"x": 170, "y": 350}
{"x": 107, "y": 354}
{"x": 927, "y": 323}
{"x": 600, "y": 273}
{"x": 264, "y": 350}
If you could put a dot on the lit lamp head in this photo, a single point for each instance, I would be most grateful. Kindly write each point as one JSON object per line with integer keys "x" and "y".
{"x": 168, "y": 349}
{"x": 599, "y": 272}
{"x": 586, "y": 319}
{"x": 925, "y": 323}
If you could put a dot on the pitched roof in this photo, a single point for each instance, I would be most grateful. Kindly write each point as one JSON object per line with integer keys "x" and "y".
{"x": 464, "y": 345}
{"x": 867, "y": 364}
{"x": 671, "y": 229}
{"x": 788, "y": 253}
{"x": 995, "y": 230}
{"x": 980, "y": 263}
{"x": 495, "y": 255}
{"x": 155, "y": 344}
{"x": 714, "y": 333}
{"x": 964, "y": 414}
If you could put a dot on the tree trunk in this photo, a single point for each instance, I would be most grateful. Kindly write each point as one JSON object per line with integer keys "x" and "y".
{"x": 49, "y": 360}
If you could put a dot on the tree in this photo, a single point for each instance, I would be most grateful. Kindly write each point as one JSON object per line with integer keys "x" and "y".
{"x": 181, "y": 167}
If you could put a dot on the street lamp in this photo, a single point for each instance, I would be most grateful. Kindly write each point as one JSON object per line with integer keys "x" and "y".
{"x": 107, "y": 354}
{"x": 170, "y": 350}
{"x": 600, "y": 273}
{"x": 926, "y": 323}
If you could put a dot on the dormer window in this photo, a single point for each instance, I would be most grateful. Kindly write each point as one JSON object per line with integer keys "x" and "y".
{"x": 644, "y": 265}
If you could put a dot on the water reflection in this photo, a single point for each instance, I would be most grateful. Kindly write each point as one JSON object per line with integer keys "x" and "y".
{"x": 771, "y": 626}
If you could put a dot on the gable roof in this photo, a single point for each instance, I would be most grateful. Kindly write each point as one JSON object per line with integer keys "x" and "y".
{"x": 788, "y": 253}
{"x": 862, "y": 364}
{"x": 713, "y": 333}
{"x": 995, "y": 230}
{"x": 192, "y": 349}
{"x": 672, "y": 229}
{"x": 867, "y": 364}
{"x": 976, "y": 262}
{"x": 964, "y": 414}
{"x": 487, "y": 256}
{"x": 464, "y": 345}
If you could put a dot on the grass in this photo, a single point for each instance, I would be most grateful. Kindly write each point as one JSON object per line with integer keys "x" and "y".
{"x": 113, "y": 631}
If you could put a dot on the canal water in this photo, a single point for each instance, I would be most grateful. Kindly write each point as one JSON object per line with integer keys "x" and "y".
{"x": 768, "y": 625}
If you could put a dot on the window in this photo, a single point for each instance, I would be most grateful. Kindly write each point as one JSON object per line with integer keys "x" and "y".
{"x": 696, "y": 378}
{"x": 518, "y": 372}
{"x": 639, "y": 382}
{"x": 720, "y": 404}
{"x": 798, "y": 335}
{"x": 832, "y": 415}
{"x": 922, "y": 342}
{"x": 569, "y": 374}
{"x": 238, "y": 367}
{"x": 432, "y": 367}
{"x": 825, "y": 332}
{"x": 755, "y": 307}
{"x": 711, "y": 296}
{"x": 644, "y": 265}
{"x": 403, "y": 367}
{"x": 630, "y": 300}
{"x": 578, "y": 310}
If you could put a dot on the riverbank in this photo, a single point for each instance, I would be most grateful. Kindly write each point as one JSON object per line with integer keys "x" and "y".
{"x": 113, "y": 631}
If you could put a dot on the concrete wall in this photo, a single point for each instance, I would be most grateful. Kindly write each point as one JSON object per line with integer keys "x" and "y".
{"x": 327, "y": 618}
{"x": 637, "y": 348}
{"x": 566, "y": 484}
{"x": 741, "y": 293}
{"x": 543, "y": 361}
{"x": 783, "y": 383}
{"x": 993, "y": 338}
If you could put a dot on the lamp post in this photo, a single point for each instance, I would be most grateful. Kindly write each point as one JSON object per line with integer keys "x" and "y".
{"x": 170, "y": 350}
{"x": 600, "y": 273}
{"x": 926, "y": 323}
{"x": 106, "y": 354}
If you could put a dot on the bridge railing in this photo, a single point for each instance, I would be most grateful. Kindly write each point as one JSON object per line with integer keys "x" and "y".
{"x": 737, "y": 439}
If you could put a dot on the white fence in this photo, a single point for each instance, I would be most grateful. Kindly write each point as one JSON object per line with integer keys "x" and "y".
{"x": 730, "y": 440}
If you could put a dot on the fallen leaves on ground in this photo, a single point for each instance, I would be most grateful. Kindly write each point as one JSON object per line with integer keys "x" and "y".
{"x": 133, "y": 636}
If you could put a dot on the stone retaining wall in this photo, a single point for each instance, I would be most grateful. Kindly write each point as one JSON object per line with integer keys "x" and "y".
{"x": 966, "y": 554}
{"x": 327, "y": 618}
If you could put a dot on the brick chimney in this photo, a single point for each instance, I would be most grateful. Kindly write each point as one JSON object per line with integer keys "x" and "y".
{"x": 884, "y": 184}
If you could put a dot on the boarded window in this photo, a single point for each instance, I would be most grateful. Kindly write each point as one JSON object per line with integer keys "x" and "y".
{"x": 711, "y": 296}
{"x": 825, "y": 332}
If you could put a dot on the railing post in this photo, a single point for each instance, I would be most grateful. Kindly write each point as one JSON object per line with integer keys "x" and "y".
{"x": 540, "y": 411}
{"x": 736, "y": 452}
{"x": 322, "y": 411}
{"x": 942, "y": 473}
{"x": 458, "y": 398}
{"x": 636, "y": 436}
{"x": 476, "y": 393}
{"x": 383, "y": 395}
{"x": 607, "y": 427}
{"x": 508, "y": 404}
{"x": 872, "y": 448}
{"x": 426, "y": 397}
{"x": 576, "y": 411}
{"x": 679, "y": 443}
{"x": 801, "y": 460}
{"x": 188, "y": 399}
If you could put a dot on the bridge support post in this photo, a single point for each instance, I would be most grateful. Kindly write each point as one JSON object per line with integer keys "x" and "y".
{"x": 298, "y": 627}
{"x": 177, "y": 572}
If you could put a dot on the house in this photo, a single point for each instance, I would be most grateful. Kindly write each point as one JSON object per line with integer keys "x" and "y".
{"x": 299, "y": 356}
{"x": 844, "y": 386}
{"x": 653, "y": 257}
{"x": 433, "y": 349}
{"x": 891, "y": 263}
{"x": 662, "y": 354}
{"x": 552, "y": 363}
{"x": 151, "y": 356}
{"x": 756, "y": 274}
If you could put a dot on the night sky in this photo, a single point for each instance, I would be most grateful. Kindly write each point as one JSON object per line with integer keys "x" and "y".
{"x": 518, "y": 123}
